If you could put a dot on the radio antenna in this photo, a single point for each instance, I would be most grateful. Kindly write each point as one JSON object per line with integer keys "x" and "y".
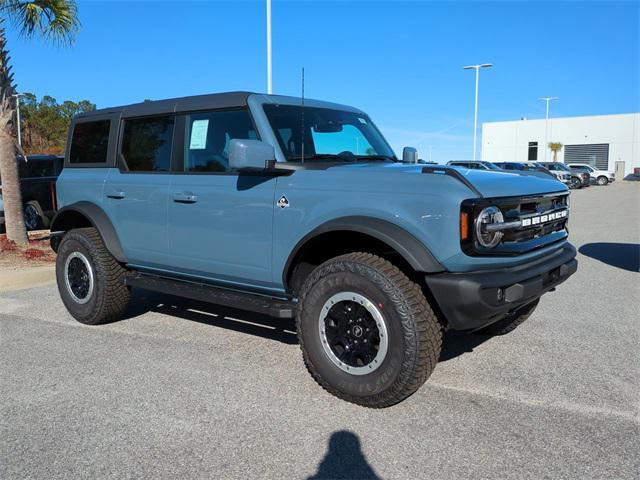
{"x": 302, "y": 118}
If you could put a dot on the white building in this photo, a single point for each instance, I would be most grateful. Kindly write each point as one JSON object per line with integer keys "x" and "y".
{"x": 606, "y": 141}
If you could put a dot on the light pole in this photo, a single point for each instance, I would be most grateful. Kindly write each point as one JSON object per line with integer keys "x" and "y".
{"x": 475, "y": 114}
{"x": 17, "y": 97}
{"x": 269, "y": 81}
{"x": 546, "y": 124}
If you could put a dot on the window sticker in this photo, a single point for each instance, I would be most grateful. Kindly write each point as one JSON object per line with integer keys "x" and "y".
{"x": 199, "y": 130}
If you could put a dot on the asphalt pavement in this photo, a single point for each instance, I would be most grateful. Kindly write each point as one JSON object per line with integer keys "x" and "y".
{"x": 188, "y": 390}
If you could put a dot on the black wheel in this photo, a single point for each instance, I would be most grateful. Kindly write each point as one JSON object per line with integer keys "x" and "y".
{"x": 511, "y": 321}
{"x": 575, "y": 183}
{"x": 602, "y": 180}
{"x": 367, "y": 332}
{"x": 90, "y": 280}
{"x": 34, "y": 218}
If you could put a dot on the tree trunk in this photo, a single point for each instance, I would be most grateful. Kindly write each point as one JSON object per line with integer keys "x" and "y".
{"x": 11, "y": 196}
{"x": 555, "y": 155}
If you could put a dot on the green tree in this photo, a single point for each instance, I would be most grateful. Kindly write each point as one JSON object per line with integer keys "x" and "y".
{"x": 555, "y": 147}
{"x": 45, "y": 123}
{"x": 56, "y": 21}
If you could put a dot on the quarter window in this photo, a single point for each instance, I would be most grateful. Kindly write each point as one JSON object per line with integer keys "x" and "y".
{"x": 146, "y": 144}
{"x": 89, "y": 142}
{"x": 207, "y": 138}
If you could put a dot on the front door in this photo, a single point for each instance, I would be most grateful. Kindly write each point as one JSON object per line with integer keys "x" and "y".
{"x": 219, "y": 222}
{"x": 136, "y": 193}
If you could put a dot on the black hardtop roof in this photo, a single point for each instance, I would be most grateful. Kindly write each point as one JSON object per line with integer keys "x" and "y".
{"x": 194, "y": 102}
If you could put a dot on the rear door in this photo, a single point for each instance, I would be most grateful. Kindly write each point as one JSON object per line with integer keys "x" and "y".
{"x": 136, "y": 192}
{"x": 220, "y": 222}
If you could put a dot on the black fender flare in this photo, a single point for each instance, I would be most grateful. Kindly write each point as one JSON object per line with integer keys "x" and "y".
{"x": 414, "y": 252}
{"x": 66, "y": 219}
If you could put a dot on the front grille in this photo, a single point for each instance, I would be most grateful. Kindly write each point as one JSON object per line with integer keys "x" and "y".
{"x": 542, "y": 222}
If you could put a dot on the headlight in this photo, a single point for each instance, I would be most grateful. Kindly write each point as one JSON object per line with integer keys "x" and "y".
{"x": 487, "y": 216}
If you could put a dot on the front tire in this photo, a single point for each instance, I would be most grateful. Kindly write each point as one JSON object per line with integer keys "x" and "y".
{"x": 602, "y": 180}
{"x": 90, "y": 281}
{"x": 575, "y": 183}
{"x": 367, "y": 332}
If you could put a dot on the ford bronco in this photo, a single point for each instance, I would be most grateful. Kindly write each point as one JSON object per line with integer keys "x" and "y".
{"x": 300, "y": 209}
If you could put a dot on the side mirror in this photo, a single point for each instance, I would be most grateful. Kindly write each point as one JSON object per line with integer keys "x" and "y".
{"x": 409, "y": 155}
{"x": 250, "y": 154}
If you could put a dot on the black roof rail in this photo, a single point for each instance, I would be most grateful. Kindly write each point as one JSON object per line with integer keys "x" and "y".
{"x": 452, "y": 172}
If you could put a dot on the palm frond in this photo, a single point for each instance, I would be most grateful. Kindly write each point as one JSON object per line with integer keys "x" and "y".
{"x": 56, "y": 20}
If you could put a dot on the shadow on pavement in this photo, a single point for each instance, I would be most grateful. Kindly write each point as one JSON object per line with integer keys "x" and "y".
{"x": 344, "y": 459}
{"x": 621, "y": 255}
{"x": 455, "y": 343}
{"x": 281, "y": 330}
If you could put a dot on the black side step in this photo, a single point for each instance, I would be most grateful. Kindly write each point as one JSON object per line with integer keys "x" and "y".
{"x": 253, "y": 302}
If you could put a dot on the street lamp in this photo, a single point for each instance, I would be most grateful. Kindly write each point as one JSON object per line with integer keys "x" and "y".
{"x": 269, "y": 82}
{"x": 475, "y": 114}
{"x": 17, "y": 97}
{"x": 546, "y": 124}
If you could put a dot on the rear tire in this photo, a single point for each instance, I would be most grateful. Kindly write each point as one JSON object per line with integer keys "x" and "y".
{"x": 90, "y": 281}
{"x": 512, "y": 321}
{"x": 34, "y": 218}
{"x": 602, "y": 180}
{"x": 362, "y": 290}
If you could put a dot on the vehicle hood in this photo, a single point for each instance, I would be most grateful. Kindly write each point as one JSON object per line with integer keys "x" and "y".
{"x": 490, "y": 184}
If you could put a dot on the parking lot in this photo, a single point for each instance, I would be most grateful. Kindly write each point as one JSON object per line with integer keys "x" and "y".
{"x": 187, "y": 390}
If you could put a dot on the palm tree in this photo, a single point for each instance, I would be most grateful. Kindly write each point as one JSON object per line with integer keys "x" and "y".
{"x": 57, "y": 21}
{"x": 555, "y": 147}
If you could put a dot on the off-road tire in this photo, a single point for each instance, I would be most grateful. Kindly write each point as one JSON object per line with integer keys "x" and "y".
{"x": 510, "y": 322}
{"x": 602, "y": 180}
{"x": 414, "y": 333}
{"x": 110, "y": 295}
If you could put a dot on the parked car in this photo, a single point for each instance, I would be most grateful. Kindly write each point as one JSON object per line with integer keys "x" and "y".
{"x": 526, "y": 167}
{"x": 38, "y": 174}
{"x": 563, "y": 176}
{"x": 303, "y": 211}
{"x": 473, "y": 164}
{"x": 578, "y": 179}
{"x": 599, "y": 177}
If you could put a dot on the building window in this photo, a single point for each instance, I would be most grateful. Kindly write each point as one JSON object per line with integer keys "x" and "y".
{"x": 594, "y": 154}
{"x": 533, "y": 152}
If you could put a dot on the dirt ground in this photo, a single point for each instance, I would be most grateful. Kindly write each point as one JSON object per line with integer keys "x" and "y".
{"x": 37, "y": 254}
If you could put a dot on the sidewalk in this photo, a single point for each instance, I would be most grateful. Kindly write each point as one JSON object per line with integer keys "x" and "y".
{"x": 26, "y": 277}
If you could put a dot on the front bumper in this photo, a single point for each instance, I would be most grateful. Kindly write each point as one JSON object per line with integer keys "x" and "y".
{"x": 470, "y": 301}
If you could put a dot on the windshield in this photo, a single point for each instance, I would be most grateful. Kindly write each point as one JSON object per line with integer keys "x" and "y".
{"x": 327, "y": 134}
{"x": 490, "y": 166}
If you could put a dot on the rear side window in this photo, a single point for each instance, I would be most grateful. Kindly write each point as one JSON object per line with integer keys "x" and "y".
{"x": 146, "y": 144}
{"x": 89, "y": 142}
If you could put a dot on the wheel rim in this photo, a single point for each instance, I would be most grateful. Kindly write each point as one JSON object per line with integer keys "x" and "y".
{"x": 575, "y": 182}
{"x": 602, "y": 181}
{"x": 30, "y": 217}
{"x": 78, "y": 277}
{"x": 353, "y": 333}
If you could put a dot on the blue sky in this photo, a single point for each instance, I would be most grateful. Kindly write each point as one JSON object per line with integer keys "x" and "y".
{"x": 399, "y": 61}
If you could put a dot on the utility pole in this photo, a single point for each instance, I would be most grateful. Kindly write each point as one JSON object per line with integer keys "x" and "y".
{"x": 546, "y": 124}
{"x": 475, "y": 113}
{"x": 269, "y": 80}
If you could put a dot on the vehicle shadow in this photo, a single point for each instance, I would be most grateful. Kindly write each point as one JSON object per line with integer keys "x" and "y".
{"x": 278, "y": 329}
{"x": 344, "y": 459}
{"x": 282, "y": 330}
{"x": 620, "y": 255}
{"x": 455, "y": 343}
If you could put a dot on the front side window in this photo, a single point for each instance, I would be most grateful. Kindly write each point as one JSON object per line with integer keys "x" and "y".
{"x": 207, "y": 138}
{"x": 326, "y": 134}
{"x": 146, "y": 144}
{"x": 89, "y": 142}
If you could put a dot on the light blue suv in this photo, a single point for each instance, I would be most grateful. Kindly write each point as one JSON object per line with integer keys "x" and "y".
{"x": 299, "y": 208}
